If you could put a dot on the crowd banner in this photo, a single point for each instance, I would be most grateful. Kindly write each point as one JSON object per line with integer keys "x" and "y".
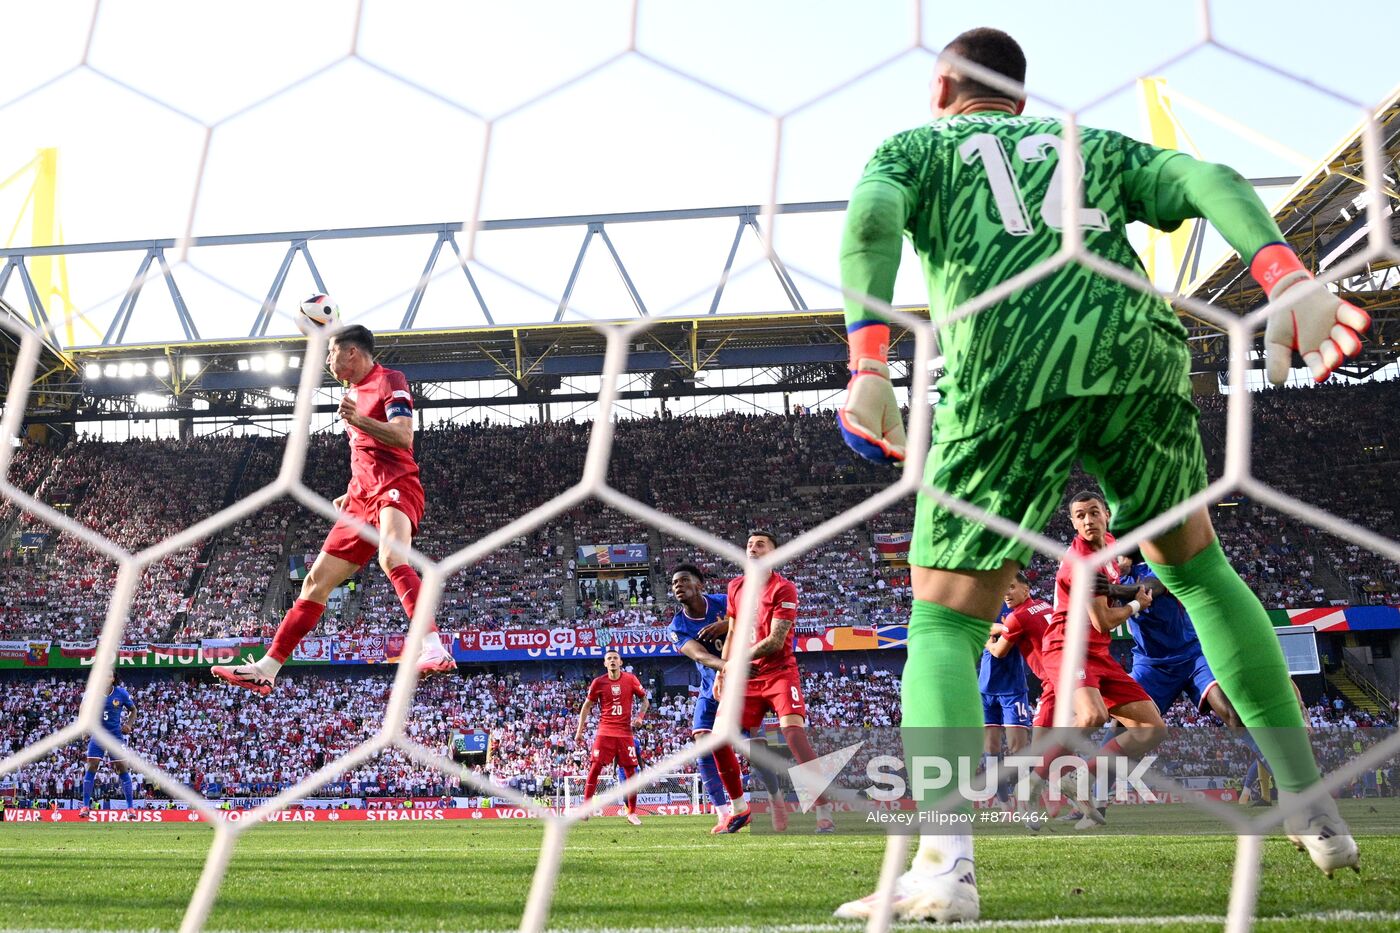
{"x": 327, "y": 815}
{"x": 547, "y": 643}
{"x": 648, "y": 804}
{"x": 24, "y": 653}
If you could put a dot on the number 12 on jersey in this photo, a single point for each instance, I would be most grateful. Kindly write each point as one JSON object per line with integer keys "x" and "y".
{"x": 1006, "y": 190}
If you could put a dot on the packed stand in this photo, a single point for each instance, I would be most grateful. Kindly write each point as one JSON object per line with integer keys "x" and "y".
{"x": 135, "y": 494}
{"x": 725, "y": 474}
{"x": 201, "y": 735}
{"x": 30, "y": 466}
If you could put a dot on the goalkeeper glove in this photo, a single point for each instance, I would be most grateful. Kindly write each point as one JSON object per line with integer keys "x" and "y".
{"x": 1315, "y": 322}
{"x": 871, "y": 423}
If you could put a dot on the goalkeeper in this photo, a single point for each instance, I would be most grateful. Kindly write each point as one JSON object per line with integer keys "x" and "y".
{"x": 1073, "y": 366}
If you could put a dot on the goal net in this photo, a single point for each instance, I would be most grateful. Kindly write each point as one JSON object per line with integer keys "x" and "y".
{"x": 662, "y": 786}
{"x": 666, "y": 795}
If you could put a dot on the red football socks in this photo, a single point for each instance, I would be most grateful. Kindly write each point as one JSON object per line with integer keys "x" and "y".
{"x": 797, "y": 743}
{"x": 631, "y": 798}
{"x": 299, "y": 620}
{"x": 801, "y": 750}
{"x": 407, "y": 583}
{"x": 730, "y": 774}
{"x": 590, "y": 786}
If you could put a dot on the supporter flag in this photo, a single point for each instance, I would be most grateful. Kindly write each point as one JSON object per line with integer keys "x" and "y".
{"x": 1325, "y": 618}
{"x": 37, "y": 655}
{"x": 893, "y": 548}
{"x": 313, "y": 649}
{"x": 77, "y": 649}
{"x": 182, "y": 653}
{"x": 853, "y": 639}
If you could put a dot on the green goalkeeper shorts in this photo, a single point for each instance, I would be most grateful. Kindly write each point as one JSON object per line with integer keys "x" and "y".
{"x": 1144, "y": 449}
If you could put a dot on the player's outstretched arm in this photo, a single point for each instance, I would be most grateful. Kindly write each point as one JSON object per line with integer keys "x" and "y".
{"x": 717, "y": 630}
{"x": 870, "y": 420}
{"x": 701, "y": 655}
{"x": 1324, "y": 329}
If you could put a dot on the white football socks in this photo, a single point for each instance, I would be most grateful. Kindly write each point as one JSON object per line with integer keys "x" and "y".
{"x": 268, "y": 666}
{"x": 938, "y": 852}
{"x": 432, "y": 645}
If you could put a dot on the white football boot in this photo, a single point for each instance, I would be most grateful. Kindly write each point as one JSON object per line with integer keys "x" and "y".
{"x": 1323, "y": 834}
{"x": 948, "y": 896}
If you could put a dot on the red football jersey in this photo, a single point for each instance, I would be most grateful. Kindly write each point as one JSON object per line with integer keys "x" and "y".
{"x": 1064, "y": 577}
{"x": 374, "y": 467}
{"x": 1025, "y": 628}
{"x": 614, "y": 699}
{"x": 779, "y": 601}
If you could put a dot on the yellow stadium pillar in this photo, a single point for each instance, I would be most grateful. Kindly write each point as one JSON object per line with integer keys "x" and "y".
{"x": 48, "y": 273}
{"x": 1165, "y": 251}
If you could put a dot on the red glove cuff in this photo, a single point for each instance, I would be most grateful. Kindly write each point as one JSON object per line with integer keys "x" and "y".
{"x": 1272, "y": 263}
{"x": 871, "y": 342}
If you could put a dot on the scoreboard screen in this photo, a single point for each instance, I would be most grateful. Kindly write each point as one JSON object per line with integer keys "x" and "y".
{"x": 1299, "y": 643}
{"x": 472, "y": 748}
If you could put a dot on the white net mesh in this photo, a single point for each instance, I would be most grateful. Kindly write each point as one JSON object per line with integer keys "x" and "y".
{"x": 1237, "y": 476}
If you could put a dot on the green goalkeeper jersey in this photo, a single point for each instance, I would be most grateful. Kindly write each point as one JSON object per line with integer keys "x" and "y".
{"x": 979, "y": 196}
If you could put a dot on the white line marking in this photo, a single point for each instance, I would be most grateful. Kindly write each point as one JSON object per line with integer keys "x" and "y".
{"x": 1053, "y": 923}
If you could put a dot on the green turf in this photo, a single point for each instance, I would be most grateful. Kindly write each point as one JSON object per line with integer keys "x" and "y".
{"x": 668, "y": 873}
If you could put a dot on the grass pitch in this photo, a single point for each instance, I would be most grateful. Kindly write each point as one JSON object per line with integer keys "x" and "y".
{"x": 670, "y": 873}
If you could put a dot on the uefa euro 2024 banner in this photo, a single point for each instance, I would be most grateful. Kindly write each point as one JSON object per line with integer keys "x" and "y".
{"x": 526, "y": 644}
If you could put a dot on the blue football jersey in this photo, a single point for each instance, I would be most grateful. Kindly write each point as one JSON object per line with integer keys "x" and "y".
{"x": 1002, "y": 675}
{"x": 1162, "y": 631}
{"x": 113, "y": 706}
{"x": 683, "y": 629}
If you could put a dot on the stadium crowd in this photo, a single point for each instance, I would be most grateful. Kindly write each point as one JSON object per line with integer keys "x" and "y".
{"x": 200, "y": 735}
{"x": 724, "y": 474}
{"x": 228, "y": 744}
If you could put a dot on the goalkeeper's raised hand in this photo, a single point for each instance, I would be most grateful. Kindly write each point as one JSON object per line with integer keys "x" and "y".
{"x": 1324, "y": 329}
{"x": 871, "y": 422}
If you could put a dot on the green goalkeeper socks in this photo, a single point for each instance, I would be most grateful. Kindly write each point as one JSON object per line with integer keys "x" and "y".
{"x": 1245, "y": 656}
{"x": 942, "y": 707}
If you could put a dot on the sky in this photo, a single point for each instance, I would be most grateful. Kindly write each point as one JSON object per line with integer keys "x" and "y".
{"x": 173, "y": 117}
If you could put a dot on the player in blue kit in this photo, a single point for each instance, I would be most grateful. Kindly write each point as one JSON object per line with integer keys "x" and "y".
{"x": 1006, "y": 703}
{"x": 699, "y": 610}
{"x": 1006, "y": 708}
{"x": 1167, "y": 656}
{"x": 117, "y": 702}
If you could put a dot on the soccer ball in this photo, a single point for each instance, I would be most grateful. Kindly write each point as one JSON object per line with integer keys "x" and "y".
{"x": 316, "y": 312}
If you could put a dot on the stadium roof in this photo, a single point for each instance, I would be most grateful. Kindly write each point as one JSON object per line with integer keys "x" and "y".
{"x": 803, "y": 347}
{"x": 1324, "y": 218}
